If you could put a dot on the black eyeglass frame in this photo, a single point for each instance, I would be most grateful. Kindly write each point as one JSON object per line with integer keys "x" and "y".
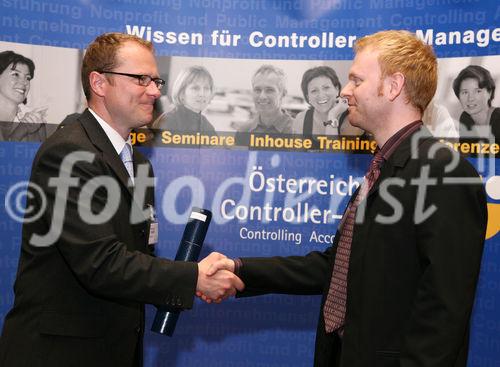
{"x": 144, "y": 80}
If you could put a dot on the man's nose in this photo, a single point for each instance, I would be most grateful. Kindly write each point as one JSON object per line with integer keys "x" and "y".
{"x": 152, "y": 90}
{"x": 346, "y": 92}
{"x": 262, "y": 94}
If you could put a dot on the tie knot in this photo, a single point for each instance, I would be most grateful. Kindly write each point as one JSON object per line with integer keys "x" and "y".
{"x": 377, "y": 159}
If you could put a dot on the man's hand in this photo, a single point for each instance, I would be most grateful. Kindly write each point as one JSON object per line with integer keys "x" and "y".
{"x": 221, "y": 264}
{"x": 214, "y": 285}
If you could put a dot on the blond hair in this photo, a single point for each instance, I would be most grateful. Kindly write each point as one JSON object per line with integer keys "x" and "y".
{"x": 101, "y": 55}
{"x": 188, "y": 76}
{"x": 401, "y": 51}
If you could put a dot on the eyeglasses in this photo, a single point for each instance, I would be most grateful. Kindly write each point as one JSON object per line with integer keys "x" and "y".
{"x": 144, "y": 80}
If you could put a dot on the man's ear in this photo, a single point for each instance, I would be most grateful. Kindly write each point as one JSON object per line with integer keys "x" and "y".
{"x": 396, "y": 83}
{"x": 98, "y": 83}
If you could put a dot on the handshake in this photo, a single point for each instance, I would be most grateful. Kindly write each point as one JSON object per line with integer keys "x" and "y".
{"x": 216, "y": 278}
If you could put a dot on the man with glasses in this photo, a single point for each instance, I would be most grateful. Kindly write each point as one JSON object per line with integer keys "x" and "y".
{"x": 87, "y": 265}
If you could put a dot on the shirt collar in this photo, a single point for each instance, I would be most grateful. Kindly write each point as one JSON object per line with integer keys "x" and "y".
{"x": 278, "y": 125}
{"x": 116, "y": 139}
{"x": 394, "y": 141}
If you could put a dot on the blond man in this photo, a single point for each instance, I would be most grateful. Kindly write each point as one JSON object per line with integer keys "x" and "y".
{"x": 398, "y": 282}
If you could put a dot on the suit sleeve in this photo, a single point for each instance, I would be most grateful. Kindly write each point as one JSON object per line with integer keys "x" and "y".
{"x": 101, "y": 261}
{"x": 450, "y": 244}
{"x": 286, "y": 275}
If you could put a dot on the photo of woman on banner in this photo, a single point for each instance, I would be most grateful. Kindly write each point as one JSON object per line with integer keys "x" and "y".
{"x": 192, "y": 92}
{"x": 327, "y": 114}
{"x": 268, "y": 90}
{"x": 475, "y": 89}
{"x": 18, "y": 122}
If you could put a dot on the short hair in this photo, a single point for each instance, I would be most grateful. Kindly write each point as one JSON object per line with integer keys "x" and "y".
{"x": 267, "y": 69}
{"x": 312, "y": 73}
{"x": 483, "y": 77}
{"x": 186, "y": 77}
{"x": 101, "y": 55}
{"x": 11, "y": 58}
{"x": 401, "y": 51}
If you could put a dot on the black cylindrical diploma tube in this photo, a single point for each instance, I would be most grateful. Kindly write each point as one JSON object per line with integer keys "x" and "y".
{"x": 189, "y": 250}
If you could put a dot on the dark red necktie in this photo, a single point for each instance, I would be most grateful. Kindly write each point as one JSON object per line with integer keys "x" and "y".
{"x": 335, "y": 304}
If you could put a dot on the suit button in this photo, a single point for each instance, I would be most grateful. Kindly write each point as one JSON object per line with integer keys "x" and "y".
{"x": 138, "y": 329}
{"x": 143, "y": 232}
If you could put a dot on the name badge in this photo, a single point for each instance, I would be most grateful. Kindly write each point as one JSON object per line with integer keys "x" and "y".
{"x": 153, "y": 233}
{"x": 153, "y": 226}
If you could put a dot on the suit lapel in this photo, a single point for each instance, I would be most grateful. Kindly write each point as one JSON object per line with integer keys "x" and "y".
{"x": 101, "y": 141}
{"x": 397, "y": 160}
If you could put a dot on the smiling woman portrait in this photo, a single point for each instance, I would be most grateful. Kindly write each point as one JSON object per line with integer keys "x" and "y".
{"x": 475, "y": 89}
{"x": 327, "y": 114}
{"x": 18, "y": 122}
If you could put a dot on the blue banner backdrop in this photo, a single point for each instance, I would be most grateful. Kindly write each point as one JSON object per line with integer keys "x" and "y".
{"x": 269, "y": 330}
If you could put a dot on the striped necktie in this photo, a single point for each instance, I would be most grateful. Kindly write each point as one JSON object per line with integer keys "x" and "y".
{"x": 335, "y": 304}
{"x": 126, "y": 157}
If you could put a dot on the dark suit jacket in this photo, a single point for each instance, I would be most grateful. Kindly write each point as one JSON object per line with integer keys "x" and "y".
{"x": 79, "y": 302}
{"x": 411, "y": 283}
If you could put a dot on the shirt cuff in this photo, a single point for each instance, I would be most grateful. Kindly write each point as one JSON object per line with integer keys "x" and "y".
{"x": 238, "y": 264}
